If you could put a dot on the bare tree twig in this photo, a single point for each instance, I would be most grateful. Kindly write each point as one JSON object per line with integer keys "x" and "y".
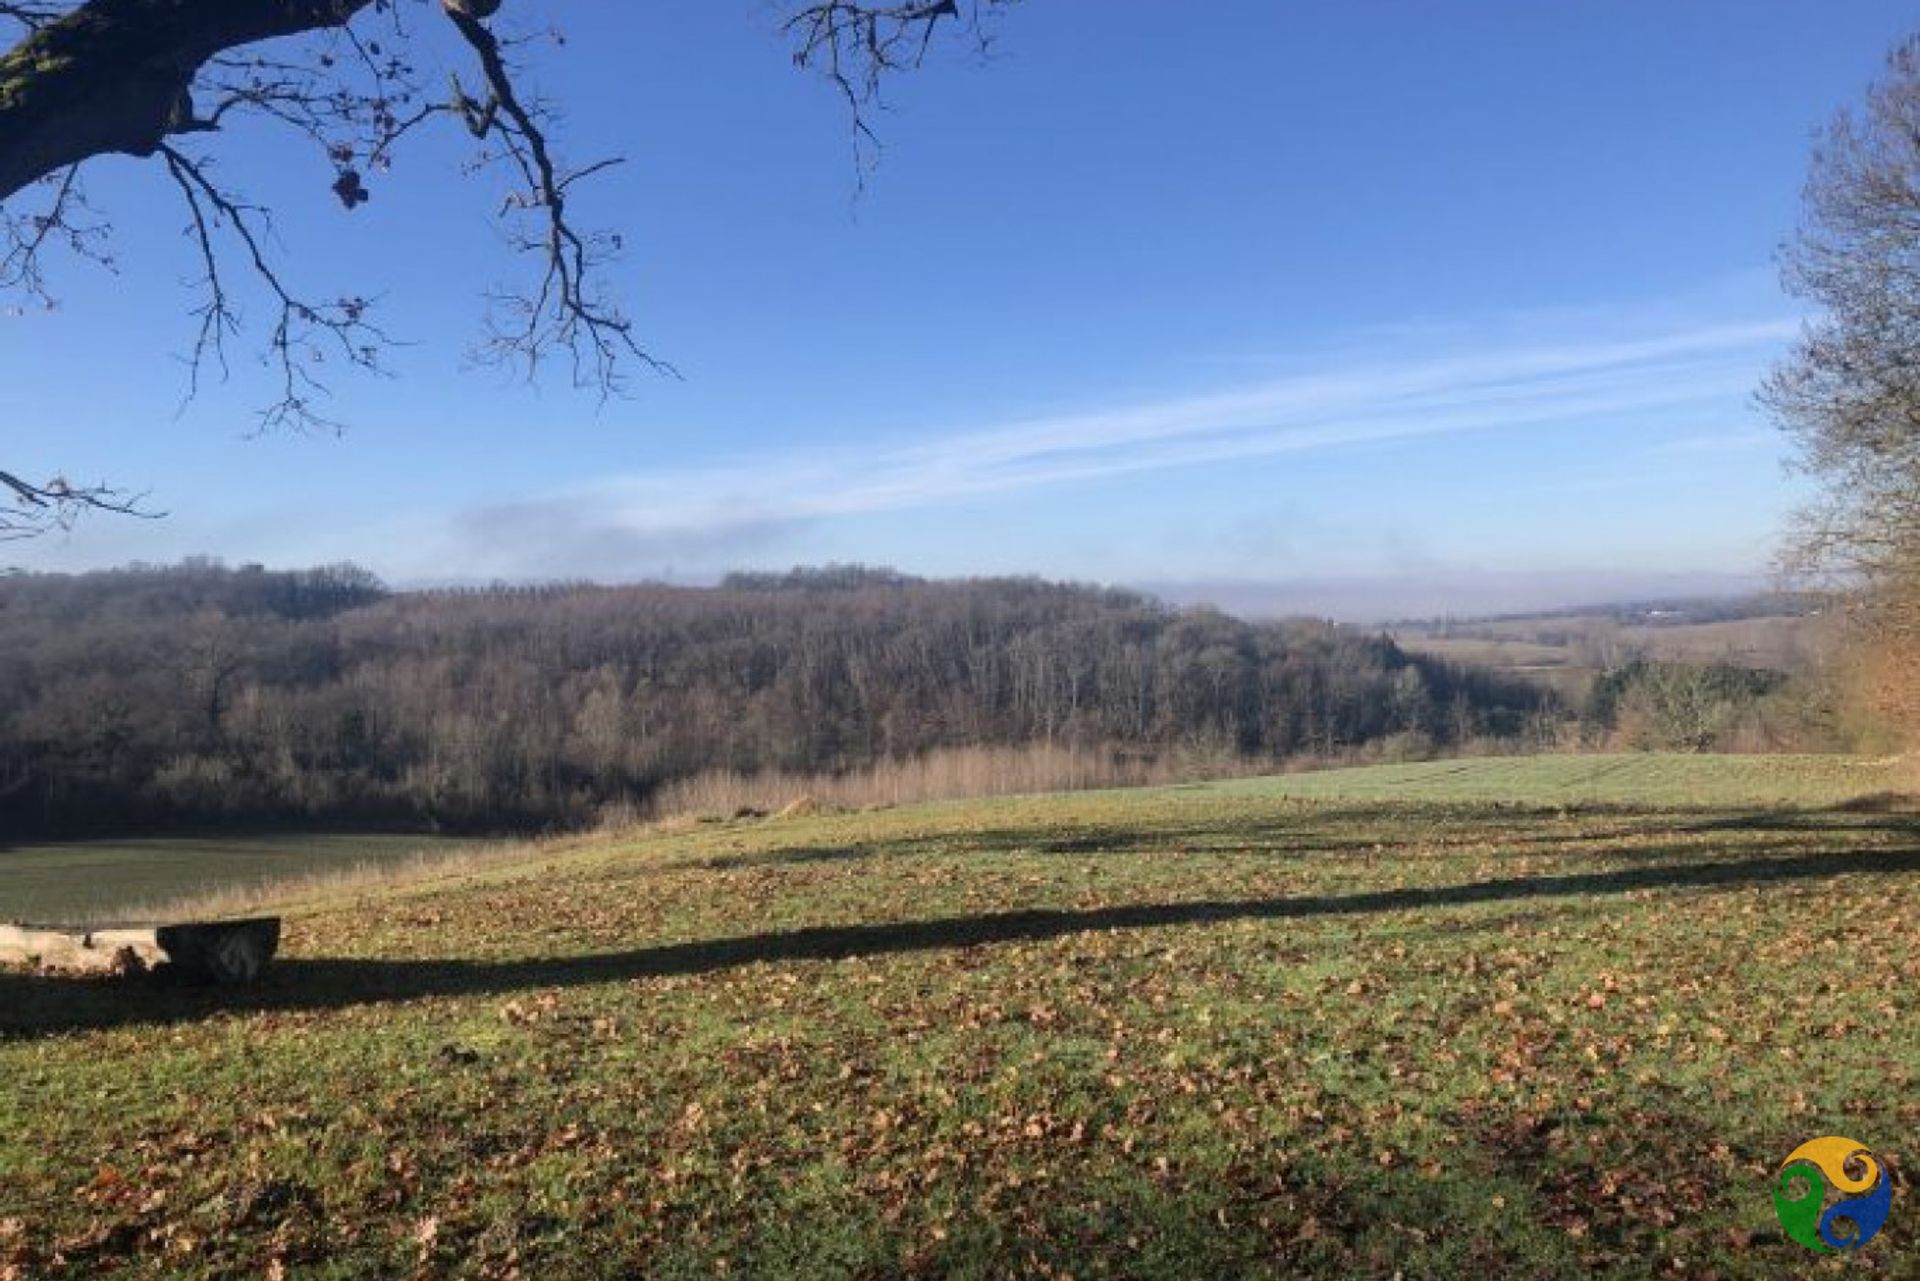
{"x": 563, "y": 310}
{"x": 67, "y": 220}
{"x": 859, "y": 46}
{"x": 303, "y": 332}
{"x": 28, "y": 510}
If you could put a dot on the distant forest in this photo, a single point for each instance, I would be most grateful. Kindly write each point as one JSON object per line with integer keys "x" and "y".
{"x": 199, "y": 693}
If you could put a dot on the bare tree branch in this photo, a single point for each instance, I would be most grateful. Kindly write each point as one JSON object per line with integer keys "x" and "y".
{"x": 859, "y": 46}
{"x": 28, "y": 509}
{"x": 67, "y": 220}
{"x": 116, "y": 75}
{"x": 141, "y": 77}
{"x": 564, "y": 310}
{"x": 29, "y": 13}
{"x": 304, "y": 331}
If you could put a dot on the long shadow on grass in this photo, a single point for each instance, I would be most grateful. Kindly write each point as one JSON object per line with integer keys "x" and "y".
{"x": 31, "y": 1006}
{"x": 1319, "y": 833}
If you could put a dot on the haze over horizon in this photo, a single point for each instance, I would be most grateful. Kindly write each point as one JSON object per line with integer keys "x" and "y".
{"x": 1359, "y": 312}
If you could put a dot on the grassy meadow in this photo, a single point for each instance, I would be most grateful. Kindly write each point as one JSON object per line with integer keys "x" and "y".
{"x": 1526, "y": 1019}
{"x": 89, "y": 880}
{"x": 1636, "y": 779}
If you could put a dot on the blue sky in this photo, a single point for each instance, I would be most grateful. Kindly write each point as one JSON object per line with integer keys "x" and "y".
{"x": 1407, "y": 304}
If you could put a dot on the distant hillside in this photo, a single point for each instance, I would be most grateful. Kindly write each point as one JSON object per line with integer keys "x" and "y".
{"x": 199, "y": 692}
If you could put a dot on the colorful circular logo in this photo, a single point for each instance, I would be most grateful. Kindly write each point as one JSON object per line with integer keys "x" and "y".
{"x": 1831, "y": 1194}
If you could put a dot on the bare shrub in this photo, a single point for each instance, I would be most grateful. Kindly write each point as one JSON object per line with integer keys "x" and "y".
{"x": 954, "y": 773}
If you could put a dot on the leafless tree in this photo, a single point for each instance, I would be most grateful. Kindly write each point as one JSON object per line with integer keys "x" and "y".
{"x": 163, "y": 80}
{"x": 1849, "y": 393}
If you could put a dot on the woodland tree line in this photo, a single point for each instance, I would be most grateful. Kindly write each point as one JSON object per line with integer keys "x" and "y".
{"x": 200, "y": 693}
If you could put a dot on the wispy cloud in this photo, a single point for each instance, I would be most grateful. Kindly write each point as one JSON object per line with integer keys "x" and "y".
{"x": 1374, "y": 400}
{"x": 1726, "y": 442}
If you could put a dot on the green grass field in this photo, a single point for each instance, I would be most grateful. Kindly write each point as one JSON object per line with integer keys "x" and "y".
{"x": 1214, "y": 1031}
{"x": 83, "y": 880}
{"x": 1636, "y": 779}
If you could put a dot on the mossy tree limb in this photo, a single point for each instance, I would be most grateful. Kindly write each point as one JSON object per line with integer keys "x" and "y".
{"x": 115, "y": 75}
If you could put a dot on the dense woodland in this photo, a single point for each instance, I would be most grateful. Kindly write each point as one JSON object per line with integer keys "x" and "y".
{"x": 199, "y": 693}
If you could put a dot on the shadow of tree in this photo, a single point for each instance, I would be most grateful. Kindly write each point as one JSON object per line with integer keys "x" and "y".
{"x": 1327, "y": 830}
{"x": 31, "y": 1007}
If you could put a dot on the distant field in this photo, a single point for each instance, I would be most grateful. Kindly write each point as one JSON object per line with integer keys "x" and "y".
{"x": 1638, "y": 779}
{"x": 81, "y": 880}
{"x": 1566, "y": 652}
{"x": 1220, "y": 1031}
{"x": 1559, "y": 667}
